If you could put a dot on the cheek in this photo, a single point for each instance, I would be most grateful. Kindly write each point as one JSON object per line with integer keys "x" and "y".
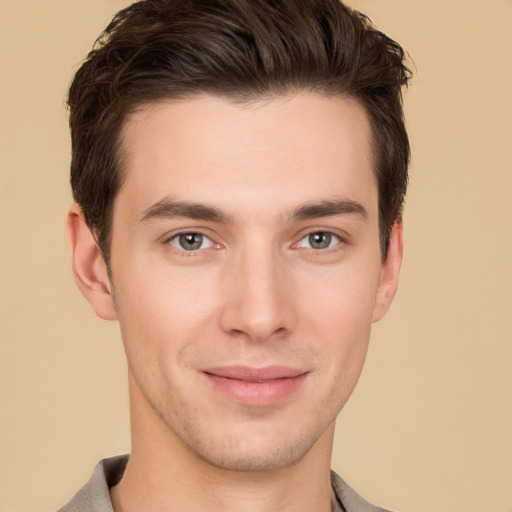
{"x": 341, "y": 299}
{"x": 160, "y": 311}
{"x": 338, "y": 310}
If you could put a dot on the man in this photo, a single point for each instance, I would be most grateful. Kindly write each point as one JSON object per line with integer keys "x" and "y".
{"x": 239, "y": 169}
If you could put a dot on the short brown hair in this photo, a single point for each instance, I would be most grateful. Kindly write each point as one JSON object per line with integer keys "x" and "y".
{"x": 242, "y": 50}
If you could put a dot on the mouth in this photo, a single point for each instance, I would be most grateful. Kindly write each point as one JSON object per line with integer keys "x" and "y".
{"x": 256, "y": 386}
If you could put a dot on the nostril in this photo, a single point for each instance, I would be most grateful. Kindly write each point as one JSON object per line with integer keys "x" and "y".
{"x": 280, "y": 331}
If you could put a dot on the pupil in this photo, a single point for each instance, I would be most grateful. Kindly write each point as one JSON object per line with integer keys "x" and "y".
{"x": 320, "y": 240}
{"x": 191, "y": 241}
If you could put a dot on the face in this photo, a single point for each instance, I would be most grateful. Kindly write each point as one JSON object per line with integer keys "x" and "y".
{"x": 246, "y": 271}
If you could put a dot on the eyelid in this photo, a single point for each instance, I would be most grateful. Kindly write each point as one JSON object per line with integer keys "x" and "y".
{"x": 177, "y": 238}
{"x": 169, "y": 237}
{"x": 342, "y": 238}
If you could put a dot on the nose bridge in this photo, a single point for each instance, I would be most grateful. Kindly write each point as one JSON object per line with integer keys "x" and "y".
{"x": 258, "y": 294}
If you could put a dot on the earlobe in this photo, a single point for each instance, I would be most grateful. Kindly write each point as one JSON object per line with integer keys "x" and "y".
{"x": 390, "y": 272}
{"x": 88, "y": 266}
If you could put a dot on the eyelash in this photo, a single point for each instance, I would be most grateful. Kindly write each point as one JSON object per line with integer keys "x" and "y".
{"x": 190, "y": 252}
{"x": 193, "y": 252}
{"x": 331, "y": 237}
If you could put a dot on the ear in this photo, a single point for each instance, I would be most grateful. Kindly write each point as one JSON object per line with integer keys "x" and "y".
{"x": 390, "y": 272}
{"x": 89, "y": 268}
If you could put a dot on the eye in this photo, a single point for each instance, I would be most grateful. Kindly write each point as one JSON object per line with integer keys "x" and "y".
{"x": 190, "y": 241}
{"x": 319, "y": 240}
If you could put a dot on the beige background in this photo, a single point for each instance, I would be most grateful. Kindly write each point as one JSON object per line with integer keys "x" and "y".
{"x": 430, "y": 426}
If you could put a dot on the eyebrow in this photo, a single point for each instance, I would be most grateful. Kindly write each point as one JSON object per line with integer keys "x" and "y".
{"x": 329, "y": 209}
{"x": 167, "y": 208}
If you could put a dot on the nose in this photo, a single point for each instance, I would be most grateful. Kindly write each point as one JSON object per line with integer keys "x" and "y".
{"x": 259, "y": 299}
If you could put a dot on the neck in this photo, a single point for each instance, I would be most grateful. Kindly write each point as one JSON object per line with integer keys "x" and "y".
{"x": 164, "y": 475}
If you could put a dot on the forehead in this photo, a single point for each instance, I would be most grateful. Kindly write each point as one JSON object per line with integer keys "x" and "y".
{"x": 282, "y": 150}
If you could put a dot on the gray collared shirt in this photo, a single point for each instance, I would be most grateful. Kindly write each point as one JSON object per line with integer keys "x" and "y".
{"x": 94, "y": 496}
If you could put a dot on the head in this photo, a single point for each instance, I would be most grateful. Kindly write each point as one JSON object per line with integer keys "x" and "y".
{"x": 242, "y": 50}
{"x": 241, "y": 165}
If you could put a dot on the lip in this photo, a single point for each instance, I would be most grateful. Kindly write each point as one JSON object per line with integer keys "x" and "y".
{"x": 256, "y": 386}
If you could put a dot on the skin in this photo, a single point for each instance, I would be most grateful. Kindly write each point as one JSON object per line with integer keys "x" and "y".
{"x": 259, "y": 291}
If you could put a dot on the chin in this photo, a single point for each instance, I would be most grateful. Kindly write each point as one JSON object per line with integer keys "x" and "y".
{"x": 269, "y": 458}
{"x": 253, "y": 450}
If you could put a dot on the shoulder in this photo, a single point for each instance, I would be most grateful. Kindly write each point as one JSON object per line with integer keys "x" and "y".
{"x": 94, "y": 496}
{"x": 350, "y": 500}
